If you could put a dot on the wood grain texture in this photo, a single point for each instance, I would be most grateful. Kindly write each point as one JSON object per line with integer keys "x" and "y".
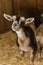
{"x": 5, "y": 7}
{"x": 24, "y": 7}
{"x": 27, "y": 8}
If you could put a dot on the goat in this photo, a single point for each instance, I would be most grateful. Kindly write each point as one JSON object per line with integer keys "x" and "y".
{"x": 39, "y": 39}
{"x": 26, "y": 38}
{"x": 38, "y": 34}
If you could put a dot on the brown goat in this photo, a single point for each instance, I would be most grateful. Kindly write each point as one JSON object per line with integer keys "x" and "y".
{"x": 39, "y": 38}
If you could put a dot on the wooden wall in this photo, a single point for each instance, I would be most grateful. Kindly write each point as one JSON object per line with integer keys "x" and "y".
{"x": 27, "y": 8}
{"x": 5, "y": 7}
{"x": 40, "y": 5}
{"x": 24, "y": 7}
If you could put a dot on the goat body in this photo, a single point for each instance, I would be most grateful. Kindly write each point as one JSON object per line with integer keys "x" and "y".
{"x": 39, "y": 38}
{"x": 26, "y": 41}
{"x": 26, "y": 37}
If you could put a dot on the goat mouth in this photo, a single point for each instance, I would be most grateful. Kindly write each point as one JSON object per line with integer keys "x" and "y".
{"x": 17, "y": 29}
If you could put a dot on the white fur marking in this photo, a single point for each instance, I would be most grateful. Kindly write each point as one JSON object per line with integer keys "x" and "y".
{"x": 21, "y": 35}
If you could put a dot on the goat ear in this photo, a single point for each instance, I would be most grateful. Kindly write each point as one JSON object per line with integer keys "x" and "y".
{"x": 22, "y": 18}
{"x": 29, "y": 20}
{"x": 14, "y": 17}
{"x": 8, "y": 17}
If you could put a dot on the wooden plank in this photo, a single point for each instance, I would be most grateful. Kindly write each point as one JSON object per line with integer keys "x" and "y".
{"x": 5, "y": 7}
{"x": 40, "y": 6}
{"x": 24, "y": 7}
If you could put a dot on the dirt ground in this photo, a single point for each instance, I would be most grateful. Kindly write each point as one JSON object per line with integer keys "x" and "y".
{"x": 9, "y": 53}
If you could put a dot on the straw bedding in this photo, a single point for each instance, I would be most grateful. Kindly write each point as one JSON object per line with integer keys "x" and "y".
{"x": 9, "y": 53}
